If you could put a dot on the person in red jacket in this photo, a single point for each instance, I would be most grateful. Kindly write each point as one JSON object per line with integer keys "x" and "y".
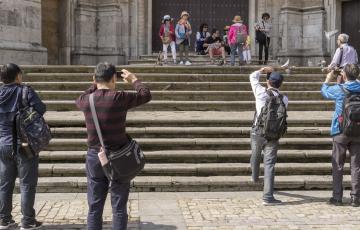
{"x": 167, "y": 35}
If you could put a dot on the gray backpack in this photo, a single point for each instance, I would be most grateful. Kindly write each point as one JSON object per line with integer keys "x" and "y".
{"x": 241, "y": 35}
{"x": 272, "y": 119}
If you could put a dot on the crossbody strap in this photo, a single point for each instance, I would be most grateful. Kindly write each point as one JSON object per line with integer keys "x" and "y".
{"x": 341, "y": 56}
{"x": 95, "y": 119}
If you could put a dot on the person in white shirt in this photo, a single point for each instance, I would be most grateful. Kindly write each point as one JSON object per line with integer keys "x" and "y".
{"x": 344, "y": 55}
{"x": 258, "y": 142}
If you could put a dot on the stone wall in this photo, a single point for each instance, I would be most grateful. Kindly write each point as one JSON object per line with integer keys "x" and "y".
{"x": 89, "y": 31}
{"x": 20, "y": 32}
{"x": 297, "y": 30}
{"x": 101, "y": 32}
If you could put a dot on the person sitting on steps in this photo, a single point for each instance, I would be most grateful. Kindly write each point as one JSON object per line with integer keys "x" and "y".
{"x": 215, "y": 45}
{"x": 201, "y": 36}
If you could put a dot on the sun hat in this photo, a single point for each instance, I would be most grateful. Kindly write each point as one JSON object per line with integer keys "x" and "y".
{"x": 184, "y": 13}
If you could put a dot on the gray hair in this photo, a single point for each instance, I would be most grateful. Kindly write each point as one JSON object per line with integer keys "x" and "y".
{"x": 352, "y": 71}
{"x": 344, "y": 38}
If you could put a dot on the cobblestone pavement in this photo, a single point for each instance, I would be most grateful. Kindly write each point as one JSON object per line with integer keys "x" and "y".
{"x": 203, "y": 211}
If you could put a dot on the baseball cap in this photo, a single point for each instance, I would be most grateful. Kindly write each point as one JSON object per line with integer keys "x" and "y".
{"x": 276, "y": 78}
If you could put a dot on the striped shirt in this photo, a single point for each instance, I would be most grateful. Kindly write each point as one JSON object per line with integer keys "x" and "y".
{"x": 111, "y": 107}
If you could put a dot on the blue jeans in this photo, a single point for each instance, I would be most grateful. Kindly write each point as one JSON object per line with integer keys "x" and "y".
{"x": 97, "y": 190}
{"x": 233, "y": 49}
{"x": 270, "y": 148}
{"x": 12, "y": 165}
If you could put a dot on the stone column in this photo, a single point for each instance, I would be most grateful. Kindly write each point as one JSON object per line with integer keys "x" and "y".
{"x": 113, "y": 31}
{"x": 141, "y": 27}
{"x": 149, "y": 27}
{"x": 20, "y": 32}
{"x": 302, "y": 24}
{"x": 67, "y": 9}
{"x": 86, "y": 25}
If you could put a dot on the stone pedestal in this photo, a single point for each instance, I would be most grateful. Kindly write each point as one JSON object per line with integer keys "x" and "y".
{"x": 102, "y": 32}
{"x": 302, "y": 25}
{"x": 20, "y": 32}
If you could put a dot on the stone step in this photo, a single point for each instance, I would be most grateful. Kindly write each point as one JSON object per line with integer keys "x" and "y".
{"x": 165, "y": 69}
{"x": 198, "y": 156}
{"x": 191, "y": 95}
{"x": 153, "y": 105}
{"x": 193, "y": 132}
{"x": 167, "y": 77}
{"x": 177, "y": 86}
{"x": 197, "y": 62}
{"x": 198, "y": 170}
{"x": 193, "y": 119}
{"x": 193, "y": 184}
{"x": 157, "y": 144}
{"x": 192, "y": 55}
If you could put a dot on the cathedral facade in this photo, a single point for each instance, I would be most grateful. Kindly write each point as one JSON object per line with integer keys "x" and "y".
{"x": 84, "y": 32}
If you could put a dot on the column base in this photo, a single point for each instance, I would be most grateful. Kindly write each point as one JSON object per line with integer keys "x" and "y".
{"x": 22, "y": 53}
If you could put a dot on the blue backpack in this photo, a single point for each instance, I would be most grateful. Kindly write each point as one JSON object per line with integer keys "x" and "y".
{"x": 33, "y": 133}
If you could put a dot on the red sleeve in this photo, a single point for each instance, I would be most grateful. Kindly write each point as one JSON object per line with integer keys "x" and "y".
{"x": 131, "y": 100}
{"x": 161, "y": 32}
{"x": 82, "y": 101}
{"x": 172, "y": 29}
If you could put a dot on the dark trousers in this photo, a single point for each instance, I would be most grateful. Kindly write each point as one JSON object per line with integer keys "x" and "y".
{"x": 184, "y": 50}
{"x": 258, "y": 145}
{"x": 12, "y": 165}
{"x": 262, "y": 46}
{"x": 97, "y": 190}
{"x": 341, "y": 143}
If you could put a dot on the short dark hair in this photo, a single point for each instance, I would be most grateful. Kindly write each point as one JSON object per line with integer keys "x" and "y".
{"x": 104, "y": 72}
{"x": 9, "y": 73}
{"x": 214, "y": 31}
{"x": 352, "y": 72}
{"x": 275, "y": 85}
{"x": 265, "y": 15}
{"x": 202, "y": 26}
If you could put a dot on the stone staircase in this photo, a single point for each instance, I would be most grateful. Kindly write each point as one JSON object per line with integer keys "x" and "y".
{"x": 197, "y": 60}
{"x": 195, "y": 132}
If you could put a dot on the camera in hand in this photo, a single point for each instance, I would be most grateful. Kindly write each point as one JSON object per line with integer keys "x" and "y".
{"x": 119, "y": 73}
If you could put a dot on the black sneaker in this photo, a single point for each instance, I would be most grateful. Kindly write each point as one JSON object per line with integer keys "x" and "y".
{"x": 335, "y": 202}
{"x": 272, "y": 202}
{"x": 7, "y": 224}
{"x": 355, "y": 202}
{"x": 35, "y": 225}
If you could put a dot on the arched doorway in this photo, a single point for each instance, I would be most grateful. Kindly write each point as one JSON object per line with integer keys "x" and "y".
{"x": 215, "y": 13}
{"x": 350, "y": 23}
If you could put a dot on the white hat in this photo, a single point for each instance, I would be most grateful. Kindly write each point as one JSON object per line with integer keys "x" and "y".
{"x": 167, "y": 17}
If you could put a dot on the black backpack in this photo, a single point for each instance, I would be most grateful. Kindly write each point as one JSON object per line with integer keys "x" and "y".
{"x": 350, "y": 118}
{"x": 31, "y": 129}
{"x": 272, "y": 119}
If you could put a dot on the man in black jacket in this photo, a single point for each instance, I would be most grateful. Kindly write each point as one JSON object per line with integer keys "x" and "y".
{"x": 12, "y": 162}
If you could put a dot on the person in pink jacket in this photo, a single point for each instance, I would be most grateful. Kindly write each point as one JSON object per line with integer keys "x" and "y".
{"x": 238, "y": 34}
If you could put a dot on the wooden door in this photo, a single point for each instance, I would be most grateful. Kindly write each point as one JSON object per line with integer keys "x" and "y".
{"x": 351, "y": 22}
{"x": 215, "y": 13}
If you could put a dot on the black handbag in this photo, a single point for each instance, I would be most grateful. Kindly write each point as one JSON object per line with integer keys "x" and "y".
{"x": 124, "y": 164}
{"x": 260, "y": 36}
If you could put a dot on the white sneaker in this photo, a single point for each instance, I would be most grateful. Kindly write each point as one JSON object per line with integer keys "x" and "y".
{"x": 187, "y": 63}
{"x": 181, "y": 63}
